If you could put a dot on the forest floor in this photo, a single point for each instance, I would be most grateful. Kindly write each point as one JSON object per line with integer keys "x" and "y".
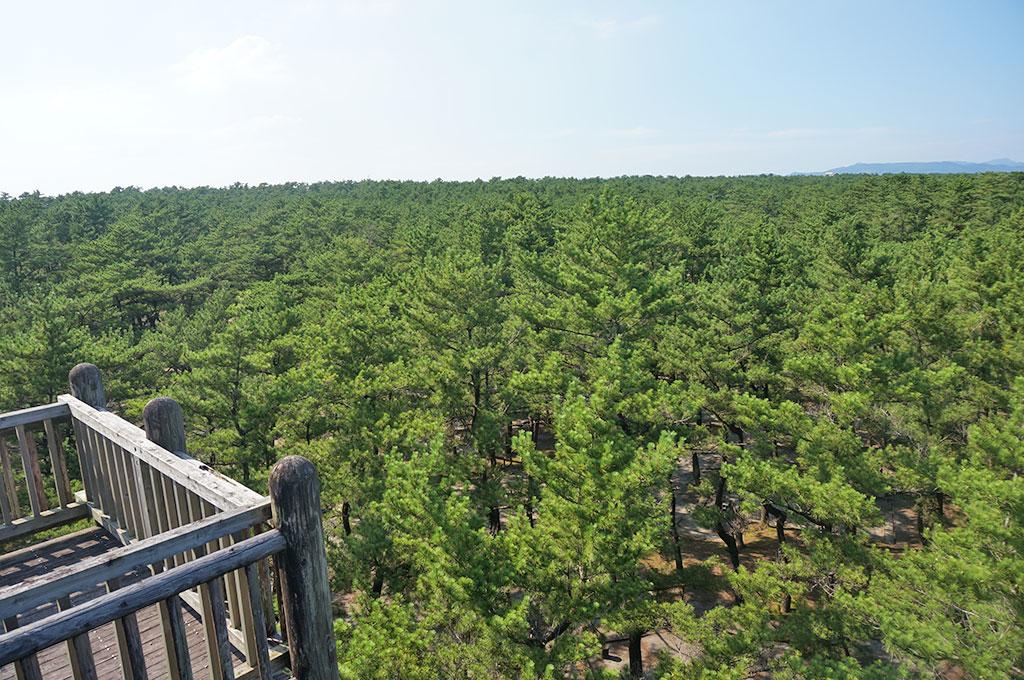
{"x": 706, "y": 562}
{"x": 707, "y": 576}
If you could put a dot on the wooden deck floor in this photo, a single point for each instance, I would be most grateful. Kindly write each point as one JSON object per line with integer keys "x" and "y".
{"x": 54, "y": 661}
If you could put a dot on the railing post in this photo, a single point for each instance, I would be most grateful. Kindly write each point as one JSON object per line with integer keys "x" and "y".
{"x": 306, "y": 594}
{"x": 164, "y": 424}
{"x": 87, "y": 385}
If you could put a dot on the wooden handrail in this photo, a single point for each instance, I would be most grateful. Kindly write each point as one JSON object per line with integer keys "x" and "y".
{"x": 33, "y": 637}
{"x": 69, "y": 579}
{"x": 33, "y": 415}
{"x": 222, "y": 492}
{"x": 18, "y": 444}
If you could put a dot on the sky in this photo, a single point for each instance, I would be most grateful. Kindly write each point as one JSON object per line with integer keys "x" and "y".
{"x": 95, "y": 95}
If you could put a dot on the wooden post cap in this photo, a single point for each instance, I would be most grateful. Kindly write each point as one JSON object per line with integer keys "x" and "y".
{"x": 164, "y": 423}
{"x": 87, "y": 385}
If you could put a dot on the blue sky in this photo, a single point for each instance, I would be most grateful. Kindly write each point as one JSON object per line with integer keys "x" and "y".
{"x": 96, "y": 95}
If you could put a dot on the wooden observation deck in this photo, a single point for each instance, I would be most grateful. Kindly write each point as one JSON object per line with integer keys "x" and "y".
{"x": 175, "y": 571}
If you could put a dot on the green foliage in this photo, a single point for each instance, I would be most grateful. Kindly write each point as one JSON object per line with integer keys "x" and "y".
{"x": 504, "y": 383}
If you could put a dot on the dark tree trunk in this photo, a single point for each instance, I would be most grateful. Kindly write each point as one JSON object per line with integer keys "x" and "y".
{"x": 695, "y": 467}
{"x": 730, "y": 542}
{"x": 378, "y": 582}
{"x": 780, "y": 534}
{"x": 675, "y": 527}
{"x": 920, "y": 522}
{"x": 494, "y": 518}
{"x": 636, "y": 658}
{"x": 529, "y": 501}
{"x": 346, "y": 518}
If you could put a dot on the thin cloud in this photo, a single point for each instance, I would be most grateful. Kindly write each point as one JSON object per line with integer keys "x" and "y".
{"x": 250, "y": 58}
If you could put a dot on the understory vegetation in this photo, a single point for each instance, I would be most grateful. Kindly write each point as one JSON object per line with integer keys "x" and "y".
{"x": 682, "y": 427}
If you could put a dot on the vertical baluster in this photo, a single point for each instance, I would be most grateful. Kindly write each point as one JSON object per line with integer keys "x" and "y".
{"x": 279, "y": 596}
{"x": 9, "y": 510}
{"x": 79, "y": 650}
{"x": 132, "y": 491}
{"x": 54, "y": 444}
{"x": 102, "y": 473}
{"x": 266, "y": 587}
{"x": 27, "y": 668}
{"x": 246, "y": 616}
{"x": 133, "y": 658}
{"x": 86, "y": 463}
{"x": 215, "y": 614}
{"x": 254, "y": 593}
{"x": 182, "y": 667}
{"x": 33, "y": 475}
{"x": 173, "y": 517}
{"x": 232, "y": 582}
{"x": 116, "y": 488}
{"x": 158, "y": 505}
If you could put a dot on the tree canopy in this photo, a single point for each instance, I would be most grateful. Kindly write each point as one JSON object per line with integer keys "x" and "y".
{"x": 682, "y": 427}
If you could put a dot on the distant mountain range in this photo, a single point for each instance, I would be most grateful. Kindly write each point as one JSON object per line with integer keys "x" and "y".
{"x": 934, "y": 167}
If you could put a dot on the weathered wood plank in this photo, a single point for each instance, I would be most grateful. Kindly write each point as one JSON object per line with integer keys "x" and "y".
{"x": 35, "y": 414}
{"x": 79, "y": 649}
{"x": 259, "y": 654}
{"x": 7, "y": 472}
{"x": 133, "y": 659}
{"x": 33, "y": 475}
{"x": 58, "y": 463}
{"x": 47, "y": 519}
{"x": 195, "y": 476}
{"x": 213, "y": 609}
{"x": 27, "y": 666}
{"x": 103, "y": 483}
{"x": 119, "y": 510}
{"x": 51, "y": 630}
{"x": 71, "y": 578}
{"x": 182, "y": 666}
{"x": 85, "y": 462}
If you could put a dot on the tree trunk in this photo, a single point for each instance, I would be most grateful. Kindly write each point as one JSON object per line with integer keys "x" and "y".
{"x": 346, "y": 522}
{"x": 780, "y": 534}
{"x": 675, "y": 527}
{"x": 636, "y": 659}
{"x": 695, "y": 467}
{"x": 730, "y": 542}
{"x": 494, "y": 519}
{"x": 920, "y": 522}
{"x": 529, "y": 502}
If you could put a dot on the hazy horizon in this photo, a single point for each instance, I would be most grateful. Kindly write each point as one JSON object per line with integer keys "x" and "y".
{"x": 308, "y": 91}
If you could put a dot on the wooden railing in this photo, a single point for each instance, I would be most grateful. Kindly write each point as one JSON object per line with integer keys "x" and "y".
{"x": 200, "y": 539}
{"x": 30, "y": 511}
